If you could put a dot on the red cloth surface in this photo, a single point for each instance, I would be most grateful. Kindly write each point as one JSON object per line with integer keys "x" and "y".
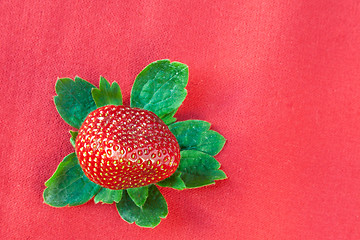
{"x": 279, "y": 79}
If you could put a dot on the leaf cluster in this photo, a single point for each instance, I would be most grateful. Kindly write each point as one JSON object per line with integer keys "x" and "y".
{"x": 159, "y": 88}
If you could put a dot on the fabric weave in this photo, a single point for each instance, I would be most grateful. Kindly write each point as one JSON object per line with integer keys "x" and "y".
{"x": 279, "y": 79}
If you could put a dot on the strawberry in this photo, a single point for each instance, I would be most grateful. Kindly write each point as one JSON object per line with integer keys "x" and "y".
{"x": 120, "y": 147}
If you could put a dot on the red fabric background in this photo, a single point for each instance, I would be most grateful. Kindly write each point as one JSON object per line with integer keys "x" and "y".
{"x": 279, "y": 79}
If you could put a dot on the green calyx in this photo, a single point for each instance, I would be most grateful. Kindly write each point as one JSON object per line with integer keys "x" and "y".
{"x": 159, "y": 88}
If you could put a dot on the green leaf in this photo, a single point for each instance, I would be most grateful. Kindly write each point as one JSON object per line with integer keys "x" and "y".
{"x": 138, "y": 195}
{"x": 74, "y": 101}
{"x": 169, "y": 118}
{"x": 199, "y": 169}
{"x": 108, "y": 196}
{"x": 73, "y": 137}
{"x": 174, "y": 181}
{"x": 149, "y": 215}
{"x": 107, "y": 94}
{"x": 69, "y": 185}
{"x": 160, "y": 87}
{"x": 195, "y": 135}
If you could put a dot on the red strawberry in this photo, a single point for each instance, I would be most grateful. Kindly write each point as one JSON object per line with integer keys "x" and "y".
{"x": 121, "y": 147}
